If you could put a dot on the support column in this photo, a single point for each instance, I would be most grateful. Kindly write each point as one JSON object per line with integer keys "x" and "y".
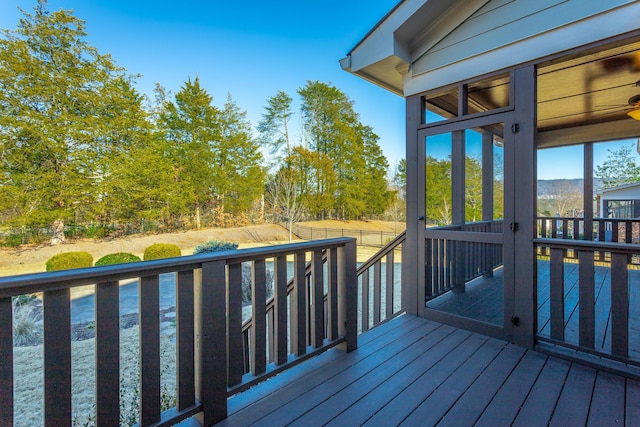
{"x": 523, "y": 198}
{"x": 413, "y": 261}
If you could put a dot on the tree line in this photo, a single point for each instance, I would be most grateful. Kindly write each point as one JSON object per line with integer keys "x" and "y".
{"x": 79, "y": 144}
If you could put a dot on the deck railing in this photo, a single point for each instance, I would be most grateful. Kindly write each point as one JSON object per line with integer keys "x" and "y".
{"x": 615, "y": 230}
{"x": 588, "y": 308}
{"x": 620, "y": 230}
{"x": 211, "y": 343}
{"x": 372, "y": 299}
{"x": 458, "y": 254}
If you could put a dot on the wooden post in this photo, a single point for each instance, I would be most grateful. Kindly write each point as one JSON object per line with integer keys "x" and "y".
{"x": 348, "y": 296}
{"x": 211, "y": 347}
{"x": 524, "y": 193}
{"x": 588, "y": 191}
{"x": 413, "y": 300}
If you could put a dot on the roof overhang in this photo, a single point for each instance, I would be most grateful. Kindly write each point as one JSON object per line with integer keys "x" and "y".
{"x": 384, "y": 56}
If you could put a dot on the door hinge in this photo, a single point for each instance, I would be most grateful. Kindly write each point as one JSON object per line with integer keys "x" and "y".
{"x": 513, "y": 226}
{"x": 515, "y": 128}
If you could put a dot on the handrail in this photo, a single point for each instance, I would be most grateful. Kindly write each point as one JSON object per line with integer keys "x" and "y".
{"x": 588, "y": 244}
{"x": 399, "y": 239}
{"x": 209, "y": 330}
{"x": 48, "y": 281}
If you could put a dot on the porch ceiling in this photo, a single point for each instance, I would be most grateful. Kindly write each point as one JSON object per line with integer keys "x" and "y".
{"x": 589, "y": 91}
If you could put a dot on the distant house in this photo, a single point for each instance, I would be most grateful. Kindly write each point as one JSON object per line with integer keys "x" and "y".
{"x": 620, "y": 202}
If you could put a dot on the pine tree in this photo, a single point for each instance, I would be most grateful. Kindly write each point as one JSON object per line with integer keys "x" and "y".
{"x": 64, "y": 109}
{"x": 333, "y": 129}
{"x": 191, "y": 126}
{"x": 239, "y": 176}
{"x": 274, "y": 125}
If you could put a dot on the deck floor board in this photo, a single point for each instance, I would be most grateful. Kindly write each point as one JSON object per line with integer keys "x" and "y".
{"x": 419, "y": 372}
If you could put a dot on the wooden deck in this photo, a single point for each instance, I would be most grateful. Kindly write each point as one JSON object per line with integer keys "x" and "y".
{"x": 483, "y": 301}
{"x": 410, "y": 371}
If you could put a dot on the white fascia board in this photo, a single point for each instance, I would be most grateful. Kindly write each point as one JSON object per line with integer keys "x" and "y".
{"x": 598, "y": 27}
{"x": 380, "y": 43}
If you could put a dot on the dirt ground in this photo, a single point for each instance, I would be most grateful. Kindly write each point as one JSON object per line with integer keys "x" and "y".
{"x": 32, "y": 259}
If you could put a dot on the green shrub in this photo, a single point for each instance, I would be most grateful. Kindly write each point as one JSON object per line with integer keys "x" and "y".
{"x": 69, "y": 260}
{"x": 161, "y": 250}
{"x": 215, "y": 246}
{"x": 117, "y": 258}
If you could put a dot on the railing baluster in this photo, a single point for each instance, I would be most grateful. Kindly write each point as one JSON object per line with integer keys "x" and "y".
{"x": 429, "y": 268}
{"x": 389, "y": 285}
{"x": 614, "y": 230}
{"x": 259, "y": 327}
{"x": 619, "y": 305}
{"x": 365, "y": 300}
{"x": 628, "y": 229}
{"x": 6, "y": 362}
{"x": 332, "y": 298}
{"x": 270, "y": 335}
{"x": 57, "y": 357}
{"x": 377, "y": 292}
{"x": 234, "y": 324}
{"x": 211, "y": 356}
{"x": 149, "y": 309}
{"x": 184, "y": 340}
{"x": 565, "y": 228}
{"x": 299, "y": 306}
{"x": 556, "y": 293}
{"x": 317, "y": 318}
{"x": 587, "y": 322}
{"x": 107, "y": 341}
{"x": 280, "y": 309}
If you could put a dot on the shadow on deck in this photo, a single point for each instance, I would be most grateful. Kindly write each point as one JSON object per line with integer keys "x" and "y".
{"x": 411, "y": 371}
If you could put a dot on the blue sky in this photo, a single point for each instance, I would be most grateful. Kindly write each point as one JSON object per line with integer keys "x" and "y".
{"x": 250, "y": 49}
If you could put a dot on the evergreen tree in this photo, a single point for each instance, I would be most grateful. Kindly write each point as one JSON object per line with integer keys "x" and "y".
{"x": 333, "y": 129}
{"x": 274, "y": 125}
{"x": 239, "y": 177}
{"x": 191, "y": 126}
{"x": 64, "y": 109}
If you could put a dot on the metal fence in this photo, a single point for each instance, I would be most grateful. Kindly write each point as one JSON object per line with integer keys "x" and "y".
{"x": 363, "y": 237}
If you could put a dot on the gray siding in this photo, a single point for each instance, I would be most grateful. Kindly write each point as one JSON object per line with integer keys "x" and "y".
{"x": 503, "y": 22}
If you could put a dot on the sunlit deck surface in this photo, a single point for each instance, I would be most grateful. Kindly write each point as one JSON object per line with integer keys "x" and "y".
{"x": 411, "y": 371}
{"x": 483, "y": 301}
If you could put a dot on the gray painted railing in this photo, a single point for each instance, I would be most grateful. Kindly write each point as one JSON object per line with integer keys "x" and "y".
{"x": 620, "y": 230}
{"x": 457, "y": 254}
{"x": 598, "y": 295}
{"x": 210, "y": 343}
{"x": 372, "y": 298}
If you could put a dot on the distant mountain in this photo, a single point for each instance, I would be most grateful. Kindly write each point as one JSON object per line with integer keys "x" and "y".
{"x": 549, "y": 187}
